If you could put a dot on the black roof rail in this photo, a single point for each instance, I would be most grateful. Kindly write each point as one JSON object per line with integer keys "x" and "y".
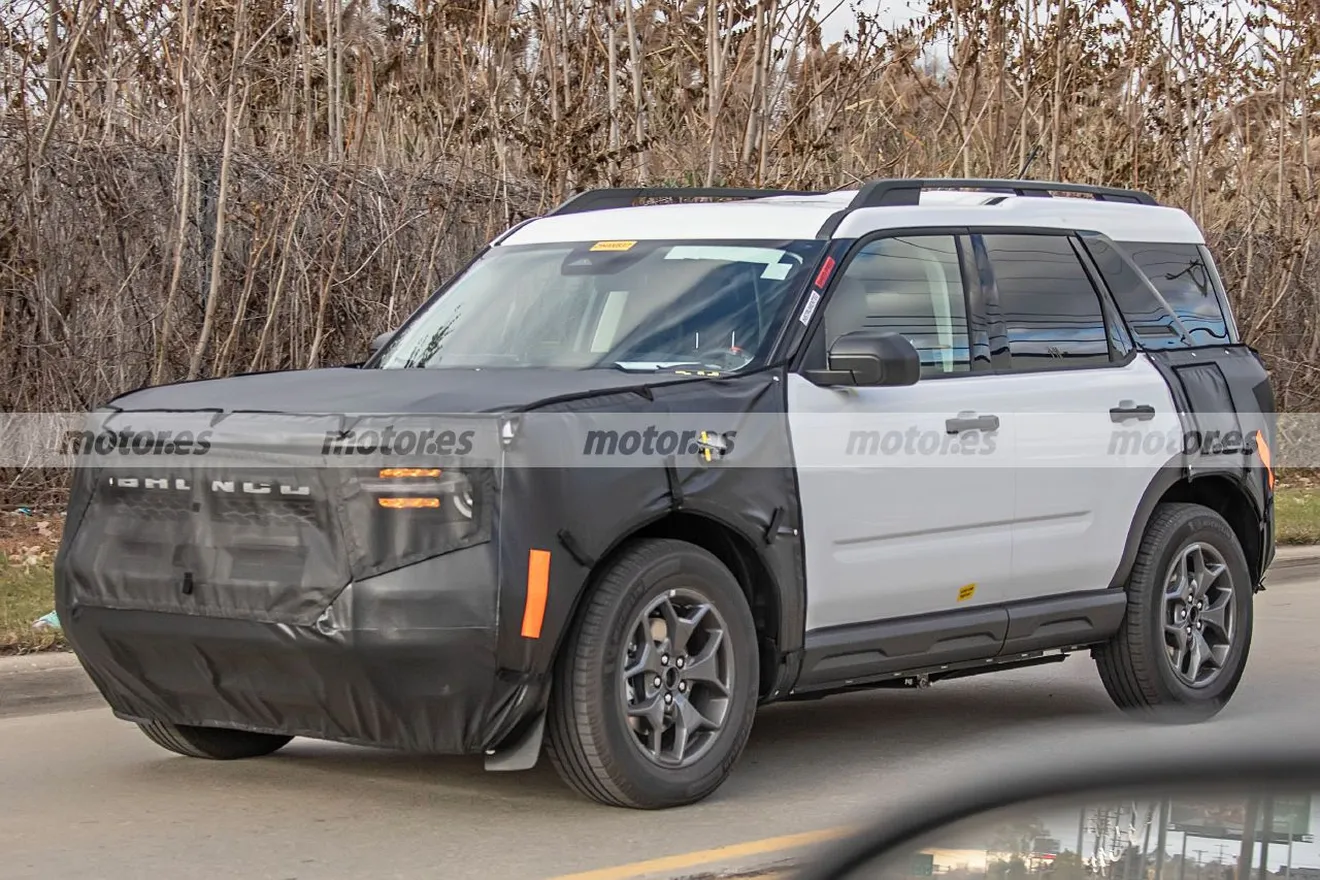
{"x": 901, "y": 192}
{"x": 604, "y": 199}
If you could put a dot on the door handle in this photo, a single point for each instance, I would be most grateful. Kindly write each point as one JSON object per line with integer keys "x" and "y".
{"x": 1126, "y": 409}
{"x": 971, "y": 422}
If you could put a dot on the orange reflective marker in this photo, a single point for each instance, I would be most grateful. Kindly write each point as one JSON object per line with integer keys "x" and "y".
{"x": 408, "y": 503}
{"x": 1264, "y": 449}
{"x": 538, "y": 590}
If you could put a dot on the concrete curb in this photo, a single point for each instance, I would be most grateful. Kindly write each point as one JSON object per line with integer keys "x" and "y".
{"x": 43, "y": 682}
{"x": 1290, "y": 555}
{"x": 56, "y": 680}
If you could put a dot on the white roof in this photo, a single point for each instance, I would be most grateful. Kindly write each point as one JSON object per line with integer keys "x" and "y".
{"x": 801, "y": 217}
{"x": 755, "y": 219}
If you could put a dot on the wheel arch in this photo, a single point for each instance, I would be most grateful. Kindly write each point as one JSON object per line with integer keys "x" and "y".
{"x": 734, "y": 549}
{"x": 1220, "y": 492}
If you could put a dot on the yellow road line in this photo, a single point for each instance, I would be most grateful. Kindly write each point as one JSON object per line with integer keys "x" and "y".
{"x": 708, "y": 856}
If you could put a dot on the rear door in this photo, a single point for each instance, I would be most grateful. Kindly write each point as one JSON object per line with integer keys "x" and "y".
{"x": 1094, "y": 418}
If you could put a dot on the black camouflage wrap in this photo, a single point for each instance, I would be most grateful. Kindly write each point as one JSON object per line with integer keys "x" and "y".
{"x": 1223, "y": 396}
{"x": 318, "y": 615}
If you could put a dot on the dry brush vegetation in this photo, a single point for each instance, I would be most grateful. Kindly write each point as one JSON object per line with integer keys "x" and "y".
{"x": 198, "y": 187}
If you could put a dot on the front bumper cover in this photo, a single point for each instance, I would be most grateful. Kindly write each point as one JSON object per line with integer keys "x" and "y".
{"x": 403, "y": 660}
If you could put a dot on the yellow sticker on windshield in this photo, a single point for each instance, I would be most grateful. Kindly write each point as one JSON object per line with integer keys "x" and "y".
{"x": 613, "y": 245}
{"x": 966, "y": 592}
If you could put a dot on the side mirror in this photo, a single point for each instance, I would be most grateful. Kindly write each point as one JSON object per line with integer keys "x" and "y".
{"x": 869, "y": 358}
{"x": 381, "y": 341}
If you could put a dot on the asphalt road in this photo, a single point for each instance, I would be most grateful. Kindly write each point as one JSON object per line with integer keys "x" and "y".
{"x": 82, "y": 794}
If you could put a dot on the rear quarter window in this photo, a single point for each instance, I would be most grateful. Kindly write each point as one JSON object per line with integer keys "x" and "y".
{"x": 1184, "y": 276}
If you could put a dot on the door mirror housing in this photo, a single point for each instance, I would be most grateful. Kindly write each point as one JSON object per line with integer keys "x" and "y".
{"x": 867, "y": 358}
{"x": 381, "y": 341}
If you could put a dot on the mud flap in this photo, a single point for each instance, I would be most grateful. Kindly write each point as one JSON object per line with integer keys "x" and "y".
{"x": 522, "y": 754}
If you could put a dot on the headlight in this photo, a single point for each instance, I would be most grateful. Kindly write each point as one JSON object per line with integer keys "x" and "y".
{"x": 407, "y": 514}
{"x": 421, "y": 489}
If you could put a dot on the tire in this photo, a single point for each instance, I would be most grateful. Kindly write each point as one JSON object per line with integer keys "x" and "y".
{"x": 592, "y": 743}
{"x": 1137, "y": 665}
{"x": 214, "y": 743}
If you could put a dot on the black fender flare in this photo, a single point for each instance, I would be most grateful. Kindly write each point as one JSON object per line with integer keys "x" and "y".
{"x": 786, "y": 583}
{"x": 1170, "y": 475}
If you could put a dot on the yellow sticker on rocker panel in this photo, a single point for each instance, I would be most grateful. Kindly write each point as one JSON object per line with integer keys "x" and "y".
{"x": 966, "y": 592}
{"x": 613, "y": 245}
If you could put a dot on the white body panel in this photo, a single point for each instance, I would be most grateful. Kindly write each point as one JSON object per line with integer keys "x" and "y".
{"x": 891, "y": 536}
{"x": 1046, "y": 513}
{"x": 1077, "y": 489}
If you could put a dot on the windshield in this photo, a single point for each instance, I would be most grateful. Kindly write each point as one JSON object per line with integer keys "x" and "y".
{"x": 627, "y": 305}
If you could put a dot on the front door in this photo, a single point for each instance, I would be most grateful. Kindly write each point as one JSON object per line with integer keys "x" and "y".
{"x": 907, "y": 492}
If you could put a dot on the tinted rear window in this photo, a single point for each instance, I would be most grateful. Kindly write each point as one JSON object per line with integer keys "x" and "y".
{"x": 1182, "y": 275}
{"x": 1052, "y": 313}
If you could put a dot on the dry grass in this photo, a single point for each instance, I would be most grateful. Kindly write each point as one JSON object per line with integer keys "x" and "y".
{"x": 26, "y": 593}
{"x": 27, "y": 549}
{"x": 1297, "y": 514}
{"x": 194, "y": 189}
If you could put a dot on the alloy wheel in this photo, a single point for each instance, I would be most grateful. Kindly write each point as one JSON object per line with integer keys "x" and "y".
{"x": 678, "y": 678}
{"x": 1199, "y": 614}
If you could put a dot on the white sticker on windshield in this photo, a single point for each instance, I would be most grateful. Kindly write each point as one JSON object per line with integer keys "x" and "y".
{"x": 776, "y": 271}
{"x": 810, "y": 308}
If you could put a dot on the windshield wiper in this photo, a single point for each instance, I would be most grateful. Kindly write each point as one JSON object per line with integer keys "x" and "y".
{"x": 661, "y": 366}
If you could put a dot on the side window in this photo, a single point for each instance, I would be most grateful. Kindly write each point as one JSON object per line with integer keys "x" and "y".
{"x": 912, "y": 286}
{"x": 1182, "y": 275}
{"x": 1052, "y": 313}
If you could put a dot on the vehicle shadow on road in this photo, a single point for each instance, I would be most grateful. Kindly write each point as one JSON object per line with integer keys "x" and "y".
{"x": 808, "y": 744}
